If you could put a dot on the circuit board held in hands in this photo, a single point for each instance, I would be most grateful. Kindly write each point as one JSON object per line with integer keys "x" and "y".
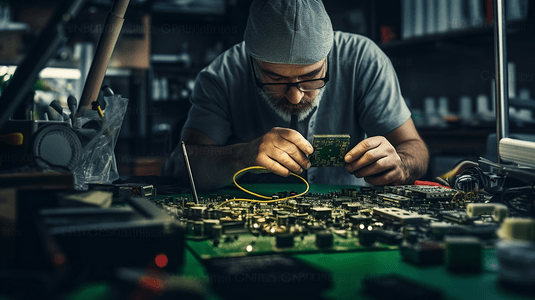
{"x": 329, "y": 150}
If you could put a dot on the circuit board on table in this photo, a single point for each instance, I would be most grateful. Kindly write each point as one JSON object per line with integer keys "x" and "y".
{"x": 351, "y": 219}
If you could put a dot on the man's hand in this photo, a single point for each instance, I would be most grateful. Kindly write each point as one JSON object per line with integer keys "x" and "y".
{"x": 282, "y": 150}
{"x": 376, "y": 160}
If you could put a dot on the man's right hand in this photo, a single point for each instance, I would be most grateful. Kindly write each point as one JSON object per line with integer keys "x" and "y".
{"x": 282, "y": 150}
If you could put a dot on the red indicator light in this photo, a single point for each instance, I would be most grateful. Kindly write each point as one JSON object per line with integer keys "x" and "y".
{"x": 161, "y": 260}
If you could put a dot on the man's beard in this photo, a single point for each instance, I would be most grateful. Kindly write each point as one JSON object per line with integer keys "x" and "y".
{"x": 285, "y": 109}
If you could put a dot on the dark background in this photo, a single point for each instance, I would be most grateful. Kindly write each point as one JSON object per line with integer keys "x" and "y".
{"x": 455, "y": 63}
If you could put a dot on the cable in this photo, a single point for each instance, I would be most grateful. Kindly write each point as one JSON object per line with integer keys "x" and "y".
{"x": 262, "y": 196}
{"x": 517, "y": 198}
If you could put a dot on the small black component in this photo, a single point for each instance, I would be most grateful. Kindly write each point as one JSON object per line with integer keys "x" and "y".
{"x": 367, "y": 237}
{"x": 94, "y": 105}
{"x": 284, "y": 241}
{"x": 393, "y": 286}
{"x": 266, "y": 277}
{"x": 291, "y": 219}
{"x": 324, "y": 239}
{"x": 125, "y": 190}
{"x": 388, "y": 237}
{"x": 304, "y": 207}
{"x": 424, "y": 253}
{"x": 396, "y": 225}
{"x": 366, "y": 189}
{"x": 336, "y": 225}
{"x": 359, "y": 219}
{"x": 456, "y": 217}
{"x": 315, "y": 227}
{"x": 322, "y": 213}
{"x": 348, "y": 192}
{"x": 353, "y": 207}
{"x": 412, "y": 237}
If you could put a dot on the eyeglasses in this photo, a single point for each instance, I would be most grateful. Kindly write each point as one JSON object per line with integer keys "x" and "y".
{"x": 281, "y": 88}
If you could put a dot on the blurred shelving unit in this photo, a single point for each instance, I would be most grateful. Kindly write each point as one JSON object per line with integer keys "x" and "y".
{"x": 186, "y": 36}
{"x": 451, "y": 56}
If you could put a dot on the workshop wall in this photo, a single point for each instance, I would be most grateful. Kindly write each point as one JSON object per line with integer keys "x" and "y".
{"x": 439, "y": 49}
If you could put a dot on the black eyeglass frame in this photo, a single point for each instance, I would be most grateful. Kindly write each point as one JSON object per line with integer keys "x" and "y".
{"x": 289, "y": 85}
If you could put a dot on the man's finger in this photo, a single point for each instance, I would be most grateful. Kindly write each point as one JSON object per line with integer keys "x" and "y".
{"x": 286, "y": 161}
{"x": 361, "y": 148}
{"x": 297, "y": 139}
{"x": 366, "y": 159}
{"x": 296, "y": 154}
{"x": 274, "y": 166}
{"x": 377, "y": 167}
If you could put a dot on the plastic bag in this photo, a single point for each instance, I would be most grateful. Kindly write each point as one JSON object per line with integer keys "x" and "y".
{"x": 97, "y": 162}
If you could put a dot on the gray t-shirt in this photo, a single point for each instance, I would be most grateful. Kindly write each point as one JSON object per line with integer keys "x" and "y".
{"x": 362, "y": 98}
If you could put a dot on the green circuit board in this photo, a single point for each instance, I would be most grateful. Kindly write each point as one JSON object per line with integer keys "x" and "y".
{"x": 246, "y": 244}
{"x": 329, "y": 150}
{"x": 348, "y": 219}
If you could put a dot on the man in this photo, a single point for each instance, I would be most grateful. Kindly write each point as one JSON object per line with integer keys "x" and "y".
{"x": 291, "y": 62}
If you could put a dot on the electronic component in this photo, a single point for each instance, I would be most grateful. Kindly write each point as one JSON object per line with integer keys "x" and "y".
{"x": 428, "y": 193}
{"x": 97, "y": 240}
{"x": 477, "y": 209}
{"x": 321, "y": 212}
{"x": 395, "y": 200}
{"x": 399, "y": 215}
{"x": 459, "y": 217}
{"x": 125, "y": 190}
{"x": 500, "y": 213}
{"x": 393, "y": 286}
{"x": 517, "y": 262}
{"x": 463, "y": 254}
{"x": 339, "y": 220}
{"x": 423, "y": 253}
{"x": 329, "y": 150}
{"x": 517, "y": 228}
{"x": 266, "y": 277}
{"x": 366, "y": 237}
{"x": 324, "y": 239}
{"x": 388, "y": 237}
{"x": 284, "y": 240}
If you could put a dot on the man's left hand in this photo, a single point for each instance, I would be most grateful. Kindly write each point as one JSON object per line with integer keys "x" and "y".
{"x": 376, "y": 160}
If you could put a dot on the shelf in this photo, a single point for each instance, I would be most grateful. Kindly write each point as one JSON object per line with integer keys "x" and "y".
{"x": 522, "y": 103}
{"x": 14, "y": 26}
{"x": 178, "y": 70}
{"x": 451, "y": 35}
{"x": 469, "y": 36}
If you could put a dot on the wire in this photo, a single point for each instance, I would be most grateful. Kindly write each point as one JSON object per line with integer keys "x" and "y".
{"x": 258, "y": 195}
{"x": 517, "y": 198}
{"x": 459, "y": 194}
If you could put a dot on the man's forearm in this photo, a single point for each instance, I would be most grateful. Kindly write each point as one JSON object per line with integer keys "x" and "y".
{"x": 212, "y": 166}
{"x": 415, "y": 159}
